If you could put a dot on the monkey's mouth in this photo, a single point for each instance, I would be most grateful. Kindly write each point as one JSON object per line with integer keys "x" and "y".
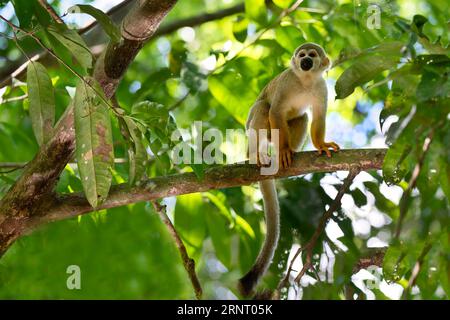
{"x": 306, "y": 64}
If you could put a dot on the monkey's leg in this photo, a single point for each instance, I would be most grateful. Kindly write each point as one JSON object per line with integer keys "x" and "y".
{"x": 278, "y": 121}
{"x": 259, "y": 120}
{"x": 298, "y": 128}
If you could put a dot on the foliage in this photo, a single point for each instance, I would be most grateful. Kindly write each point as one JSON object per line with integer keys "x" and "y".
{"x": 213, "y": 73}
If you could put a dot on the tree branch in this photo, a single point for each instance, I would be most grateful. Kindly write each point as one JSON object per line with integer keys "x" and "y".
{"x": 416, "y": 270}
{"x": 51, "y": 11}
{"x": 216, "y": 177}
{"x": 198, "y": 20}
{"x": 188, "y": 263}
{"x": 35, "y": 186}
{"x": 406, "y": 196}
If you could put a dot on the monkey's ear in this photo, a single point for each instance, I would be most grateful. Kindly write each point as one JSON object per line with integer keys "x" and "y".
{"x": 325, "y": 64}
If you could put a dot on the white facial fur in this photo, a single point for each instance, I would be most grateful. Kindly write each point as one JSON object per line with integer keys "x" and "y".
{"x": 319, "y": 60}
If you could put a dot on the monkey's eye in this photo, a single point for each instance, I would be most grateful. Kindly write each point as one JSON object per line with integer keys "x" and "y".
{"x": 302, "y": 55}
{"x": 312, "y": 54}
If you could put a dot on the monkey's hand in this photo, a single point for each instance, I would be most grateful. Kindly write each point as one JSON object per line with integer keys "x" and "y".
{"x": 325, "y": 147}
{"x": 285, "y": 157}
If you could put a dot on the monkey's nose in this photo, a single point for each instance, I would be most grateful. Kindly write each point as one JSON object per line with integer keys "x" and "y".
{"x": 306, "y": 64}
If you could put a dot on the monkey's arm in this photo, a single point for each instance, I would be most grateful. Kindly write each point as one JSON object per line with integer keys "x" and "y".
{"x": 319, "y": 111}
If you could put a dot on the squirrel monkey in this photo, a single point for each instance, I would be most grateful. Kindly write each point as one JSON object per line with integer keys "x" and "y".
{"x": 282, "y": 105}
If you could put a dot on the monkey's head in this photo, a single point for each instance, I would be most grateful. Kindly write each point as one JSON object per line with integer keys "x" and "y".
{"x": 310, "y": 57}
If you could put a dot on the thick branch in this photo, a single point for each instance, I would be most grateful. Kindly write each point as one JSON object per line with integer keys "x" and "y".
{"x": 216, "y": 177}
{"x": 198, "y": 20}
{"x": 35, "y": 186}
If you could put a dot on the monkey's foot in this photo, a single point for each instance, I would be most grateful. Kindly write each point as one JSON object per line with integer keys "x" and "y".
{"x": 285, "y": 158}
{"x": 325, "y": 147}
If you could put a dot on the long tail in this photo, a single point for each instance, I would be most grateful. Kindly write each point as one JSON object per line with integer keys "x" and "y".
{"x": 272, "y": 215}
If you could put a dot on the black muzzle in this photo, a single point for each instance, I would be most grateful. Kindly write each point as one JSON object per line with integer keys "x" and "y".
{"x": 306, "y": 64}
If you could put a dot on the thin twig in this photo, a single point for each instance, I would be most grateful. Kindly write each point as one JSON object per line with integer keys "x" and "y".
{"x": 310, "y": 245}
{"x": 416, "y": 270}
{"x": 51, "y": 11}
{"x": 188, "y": 263}
{"x": 13, "y": 99}
{"x": 412, "y": 184}
{"x": 7, "y": 36}
{"x": 179, "y": 101}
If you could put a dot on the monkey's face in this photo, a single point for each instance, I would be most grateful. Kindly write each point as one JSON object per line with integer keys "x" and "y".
{"x": 311, "y": 58}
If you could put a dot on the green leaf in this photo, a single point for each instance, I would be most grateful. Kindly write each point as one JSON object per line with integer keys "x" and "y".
{"x": 94, "y": 145}
{"x": 42, "y": 101}
{"x": 75, "y": 44}
{"x": 220, "y": 235}
{"x": 445, "y": 178}
{"x": 392, "y": 48}
{"x": 282, "y": 3}
{"x": 151, "y": 113}
{"x": 221, "y": 206}
{"x": 103, "y": 19}
{"x": 435, "y": 86}
{"x": 41, "y": 14}
{"x": 256, "y": 10}
{"x": 359, "y": 197}
{"x": 199, "y": 170}
{"x": 229, "y": 90}
{"x": 363, "y": 70}
{"x": 240, "y": 25}
{"x": 394, "y": 166}
{"x": 399, "y": 158}
{"x": 137, "y": 153}
{"x": 289, "y": 37}
{"x": 381, "y": 202}
{"x": 190, "y": 222}
{"x": 394, "y": 265}
{"x": 24, "y": 12}
{"x": 417, "y": 27}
